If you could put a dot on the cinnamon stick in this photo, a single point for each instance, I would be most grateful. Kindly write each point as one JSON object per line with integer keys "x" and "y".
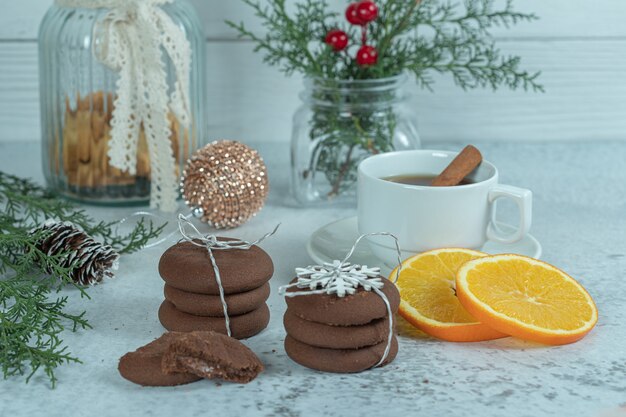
{"x": 464, "y": 163}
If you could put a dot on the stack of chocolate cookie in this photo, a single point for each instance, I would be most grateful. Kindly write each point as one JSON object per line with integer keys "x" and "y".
{"x": 192, "y": 296}
{"x": 340, "y": 334}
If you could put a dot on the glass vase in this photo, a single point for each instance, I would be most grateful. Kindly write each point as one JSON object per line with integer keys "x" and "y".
{"x": 340, "y": 123}
{"x": 77, "y": 94}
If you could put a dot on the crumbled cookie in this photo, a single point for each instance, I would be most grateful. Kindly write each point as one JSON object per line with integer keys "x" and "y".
{"x": 143, "y": 366}
{"x": 211, "y": 355}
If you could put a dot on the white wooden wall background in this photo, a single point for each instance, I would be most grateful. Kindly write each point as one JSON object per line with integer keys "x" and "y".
{"x": 580, "y": 46}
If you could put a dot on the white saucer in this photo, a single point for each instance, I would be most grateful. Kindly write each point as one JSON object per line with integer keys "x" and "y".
{"x": 334, "y": 240}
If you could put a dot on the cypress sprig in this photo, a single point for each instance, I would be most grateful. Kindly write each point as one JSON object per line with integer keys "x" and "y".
{"x": 32, "y": 317}
{"x": 418, "y": 37}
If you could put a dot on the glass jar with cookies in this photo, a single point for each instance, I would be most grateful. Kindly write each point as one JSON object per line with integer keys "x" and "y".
{"x": 103, "y": 65}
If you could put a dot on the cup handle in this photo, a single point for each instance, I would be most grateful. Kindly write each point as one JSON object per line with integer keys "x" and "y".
{"x": 524, "y": 200}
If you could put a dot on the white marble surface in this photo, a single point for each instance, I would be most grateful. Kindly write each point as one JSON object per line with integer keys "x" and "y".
{"x": 580, "y": 219}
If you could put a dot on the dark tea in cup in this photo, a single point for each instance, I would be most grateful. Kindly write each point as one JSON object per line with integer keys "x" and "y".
{"x": 417, "y": 179}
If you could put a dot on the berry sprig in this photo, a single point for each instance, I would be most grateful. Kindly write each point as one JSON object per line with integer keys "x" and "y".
{"x": 358, "y": 14}
{"x": 462, "y": 46}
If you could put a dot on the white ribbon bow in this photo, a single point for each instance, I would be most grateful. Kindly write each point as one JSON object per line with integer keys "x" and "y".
{"x": 129, "y": 40}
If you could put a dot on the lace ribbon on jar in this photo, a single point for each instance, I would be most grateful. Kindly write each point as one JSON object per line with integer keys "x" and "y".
{"x": 131, "y": 37}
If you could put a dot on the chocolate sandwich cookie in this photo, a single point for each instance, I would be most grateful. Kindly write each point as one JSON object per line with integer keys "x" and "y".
{"x": 211, "y": 305}
{"x": 241, "y": 326}
{"x": 335, "y": 337}
{"x": 359, "y": 308}
{"x": 188, "y": 267}
{"x": 212, "y": 355}
{"x": 339, "y": 360}
{"x": 143, "y": 366}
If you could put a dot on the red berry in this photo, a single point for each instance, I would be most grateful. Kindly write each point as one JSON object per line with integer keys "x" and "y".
{"x": 367, "y": 10}
{"x": 352, "y": 14}
{"x": 366, "y": 56}
{"x": 337, "y": 39}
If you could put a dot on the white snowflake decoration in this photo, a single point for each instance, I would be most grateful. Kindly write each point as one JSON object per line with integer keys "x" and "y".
{"x": 338, "y": 278}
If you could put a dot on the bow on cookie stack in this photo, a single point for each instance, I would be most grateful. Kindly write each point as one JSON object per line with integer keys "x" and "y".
{"x": 340, "y": 317}
{"x": 215, "y": 283}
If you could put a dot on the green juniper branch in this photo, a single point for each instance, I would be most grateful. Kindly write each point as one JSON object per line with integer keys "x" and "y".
{"x": 413, "y": 36}
{"x": 32, "y": 318}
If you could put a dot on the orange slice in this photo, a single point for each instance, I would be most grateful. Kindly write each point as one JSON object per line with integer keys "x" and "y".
{"x": 429, "y": 302}
{"x": 526, "y": 298}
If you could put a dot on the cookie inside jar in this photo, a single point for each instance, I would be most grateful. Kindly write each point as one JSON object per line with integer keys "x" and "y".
{"x": 80, "y": 155}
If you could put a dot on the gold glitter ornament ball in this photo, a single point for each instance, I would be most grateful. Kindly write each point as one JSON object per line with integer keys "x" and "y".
{"x": 225, "y": 183}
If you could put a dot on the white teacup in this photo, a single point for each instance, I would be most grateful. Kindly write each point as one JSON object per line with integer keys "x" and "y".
{"x": 424, "y": 217}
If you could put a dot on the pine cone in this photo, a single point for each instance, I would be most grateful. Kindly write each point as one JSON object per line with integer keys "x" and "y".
{"x": 93, "y": 261}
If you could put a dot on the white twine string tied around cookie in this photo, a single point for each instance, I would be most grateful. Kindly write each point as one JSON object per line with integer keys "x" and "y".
{"x": 129, "y": 39}
{"x": 191, "y": 234}
{"x": 342, "y": 278}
